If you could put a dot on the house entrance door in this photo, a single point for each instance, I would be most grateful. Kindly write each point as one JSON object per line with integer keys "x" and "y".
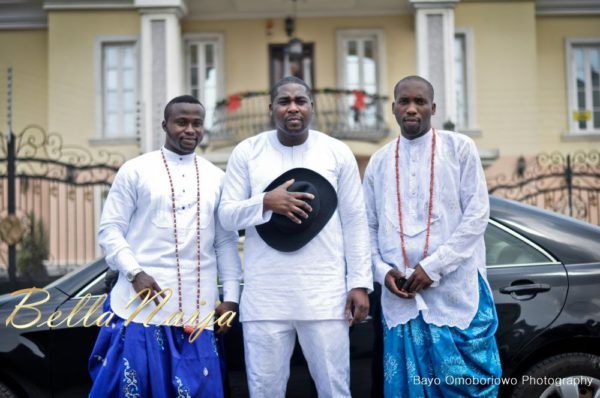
{"x": 281, "y": 64}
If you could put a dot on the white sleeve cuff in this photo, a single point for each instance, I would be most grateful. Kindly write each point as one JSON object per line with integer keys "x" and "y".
{"x": 266, "y": 215}
{"x": 125, "y": 261}
{"x": 380, "y": 270}
{"x": 432, "y": 266}
{"x": 360, "y": 283}
{"x": 231, "y": 291}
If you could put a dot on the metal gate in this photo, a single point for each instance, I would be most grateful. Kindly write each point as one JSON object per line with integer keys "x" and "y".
{"x": 58, "y": 187}
{"x": 568, "y": 184}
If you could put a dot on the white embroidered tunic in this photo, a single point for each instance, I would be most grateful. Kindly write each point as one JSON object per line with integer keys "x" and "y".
{"x": 459, "y": 219}
{"x": 136, "y": 230}
{"x": 312, "y": 282}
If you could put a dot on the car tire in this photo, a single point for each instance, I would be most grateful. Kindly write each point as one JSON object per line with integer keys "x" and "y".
{"x": 536, "y": 381}
{"x": 6, "y": 392}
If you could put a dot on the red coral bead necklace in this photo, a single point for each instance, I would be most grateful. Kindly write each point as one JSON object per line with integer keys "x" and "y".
{"x": 399, "y": 201}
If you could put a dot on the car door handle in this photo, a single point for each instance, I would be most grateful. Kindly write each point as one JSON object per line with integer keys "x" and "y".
{"x": 530, "y": 288}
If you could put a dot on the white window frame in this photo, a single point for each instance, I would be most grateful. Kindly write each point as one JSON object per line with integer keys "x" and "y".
{"x": 343, "y": 35}
{"x": 470, "y": 128}
{"x": 100, "y": 137}
{"x": 218, "y": 40}
{"x": 573, "y": 126}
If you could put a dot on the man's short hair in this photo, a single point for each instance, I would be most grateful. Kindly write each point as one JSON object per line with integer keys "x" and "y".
{"x": 290, "y": 80}
{"x": 417, "y": 78}
{"x": 182, "y": 99}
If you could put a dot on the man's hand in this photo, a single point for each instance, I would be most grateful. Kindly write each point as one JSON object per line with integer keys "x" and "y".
{"x": 144, "y": 281}
{"x": 357, "y": 305}
{"x": 418, "y": 281}
{"x": 390, "y": 283}
{"x": 222, "y": 309}
{"x": 290, "y": 204}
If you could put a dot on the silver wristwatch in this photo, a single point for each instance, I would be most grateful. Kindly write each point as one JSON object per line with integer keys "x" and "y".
{"x": 130, "y": 275}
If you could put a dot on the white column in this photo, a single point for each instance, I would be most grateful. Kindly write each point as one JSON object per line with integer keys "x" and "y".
{"x": 435, "y": 53}
{"x": 161, "y": 64}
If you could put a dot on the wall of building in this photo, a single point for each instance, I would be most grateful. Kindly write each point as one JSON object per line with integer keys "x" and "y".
{"x": 72, "y": 67}
{"x": 26, "y": 51}
{"x": 505, "y": 67}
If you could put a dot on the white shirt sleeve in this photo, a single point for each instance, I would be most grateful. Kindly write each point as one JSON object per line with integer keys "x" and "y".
{"x": 475, "y": 206}
{"x": 351, "y": 208}
{"x": 114, "y": 223}
{"x": 238, "y": 209}
{"x": 380, "y": 267}
{"x": 228, "y": 261}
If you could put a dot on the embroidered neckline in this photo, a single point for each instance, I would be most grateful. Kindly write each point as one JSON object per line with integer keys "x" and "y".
{"x": 399, "y": 200}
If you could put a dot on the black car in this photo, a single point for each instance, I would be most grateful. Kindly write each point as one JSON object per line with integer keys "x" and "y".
{"x": 544, "y": 269}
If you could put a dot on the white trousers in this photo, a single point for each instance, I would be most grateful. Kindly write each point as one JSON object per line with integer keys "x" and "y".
{"x": 268, "y": 347}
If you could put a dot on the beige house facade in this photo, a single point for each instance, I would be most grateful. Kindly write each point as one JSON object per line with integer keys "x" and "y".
{"x": 505, "y": 72}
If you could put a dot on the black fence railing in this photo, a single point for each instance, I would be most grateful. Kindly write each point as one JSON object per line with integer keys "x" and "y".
{"x": 344, "y": 114}
{"x": 49, "y": 203}
{"x": 568, "y": 184}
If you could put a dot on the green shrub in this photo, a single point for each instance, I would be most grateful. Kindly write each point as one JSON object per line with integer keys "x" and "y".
{"x": 33, "y": 250}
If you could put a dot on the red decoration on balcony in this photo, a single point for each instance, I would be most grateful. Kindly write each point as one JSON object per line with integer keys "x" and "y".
{"x": 359, "y": 99}
{"x": 234, "y": 102}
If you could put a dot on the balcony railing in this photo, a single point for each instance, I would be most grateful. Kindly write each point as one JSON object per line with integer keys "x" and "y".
{"x": 343, "y": 114}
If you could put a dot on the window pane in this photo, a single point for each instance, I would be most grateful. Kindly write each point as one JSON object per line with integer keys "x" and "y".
{"x": 110, "y": 125}
{"x": 580, "y": 76}
{"x": 128, "y": 79}
{"x": 368, "y": 48}
{"x": 194, "y": 54}
{"x": 110, "y": 56}
{"x": 111, "y": 101}
{"x": 210, "y": 99}
{"x": 128, "y": 57}
{"x": 209, "y": 54}
{"x": 352, "y": 61}
{"x": 112, "y": 79}
{"x": 119, "y": 89}
{"x": 128, "y": 101}
{"x": 369, "y": 73}
{"x": 352, "y": 48}
{"x": 503, "y": 248}
{"x": 129, "y": 124}
{"x": 595, "y": 67}
{"x": 194, "y": 76}
{"x": 352, "y": 76}
{"x": 581, "y": 99}
{"x": 580, "y": 83}
{"x": 210, "y": 77}
{"x": 595, "y": 71}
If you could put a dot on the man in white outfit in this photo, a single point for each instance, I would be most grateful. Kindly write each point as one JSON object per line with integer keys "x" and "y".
{"x": 428, "y": 208}
{"x": 160, "y": 231}
{"x": 314, "y": 289}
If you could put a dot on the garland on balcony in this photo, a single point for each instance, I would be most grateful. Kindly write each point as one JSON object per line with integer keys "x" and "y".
{"x": 234, "y": 101}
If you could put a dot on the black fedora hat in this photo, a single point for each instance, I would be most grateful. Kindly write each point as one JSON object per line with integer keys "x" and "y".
{"x": 283, "y": 234}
